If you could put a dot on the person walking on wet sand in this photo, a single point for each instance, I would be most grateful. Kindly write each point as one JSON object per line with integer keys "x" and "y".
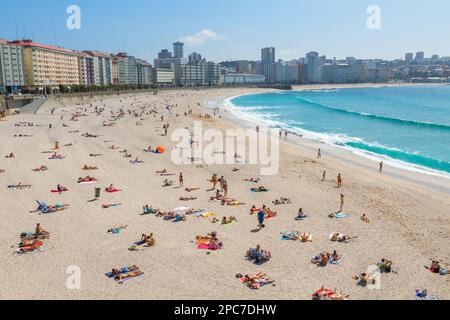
{"x": 381, "y": 166}
{"x": 342, "y": 203}
{"x": 319, "y": 154}
{"x": 324, "y": 176}
{"x": 339, "y": 180}
{"x": 181, "y": 179}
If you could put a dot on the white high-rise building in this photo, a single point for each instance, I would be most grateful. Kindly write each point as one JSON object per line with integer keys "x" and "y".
{"x": 268, "y": 68}
{"x": 312, "y": 61}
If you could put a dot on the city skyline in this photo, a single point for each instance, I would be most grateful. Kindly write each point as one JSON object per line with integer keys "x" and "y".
{"x": 222, "y": 31}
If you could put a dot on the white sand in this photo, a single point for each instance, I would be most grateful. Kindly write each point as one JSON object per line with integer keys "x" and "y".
{"x": 410, "y": 216}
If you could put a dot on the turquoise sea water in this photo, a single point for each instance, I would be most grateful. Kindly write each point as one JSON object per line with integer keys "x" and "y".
{"x": 408, "y": 126}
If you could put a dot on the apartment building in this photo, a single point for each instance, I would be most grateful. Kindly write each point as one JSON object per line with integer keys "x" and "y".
{"x": 48, "y": 66}
{"x": 12, "y": 75}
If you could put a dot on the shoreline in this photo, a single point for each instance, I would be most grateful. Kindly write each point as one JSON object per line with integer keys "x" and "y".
{"x": 424, "y": 176}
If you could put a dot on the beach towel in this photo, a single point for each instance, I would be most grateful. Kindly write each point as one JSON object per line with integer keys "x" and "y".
{"x": 37, "y": 245}
{"x": 88, "y": 182}
{"x": 204, "y": 246}
{"x": 340, "y": 215}
{"x": 302, "y": 218}
{"x": 294, "y": 236}
{"x": 205, "y": 215}
{"x": 112, "y": 190}
{"x": 62, "y": 190}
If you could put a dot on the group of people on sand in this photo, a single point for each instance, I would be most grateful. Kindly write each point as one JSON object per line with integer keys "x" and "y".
{"x": 324, "y": 258}
{"x": 225, "y": 220}
{"x": 222, "y": 183}
{"x": 32, "y": 241}
{"x": 262, "y": 213}
{"x": 210, "y": 242}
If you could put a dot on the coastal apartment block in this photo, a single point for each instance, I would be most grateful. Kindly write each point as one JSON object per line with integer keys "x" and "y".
{"x": 99, "y": 68}
{"x": 12, "y": 75}
{"x": 48, "y": 66}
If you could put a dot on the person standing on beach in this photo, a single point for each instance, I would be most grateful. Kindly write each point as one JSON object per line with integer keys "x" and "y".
{"x": 214, "y": 181}
{"x": 342, "y": 203}
{"x": 324, "y": 175}
{"x": 319, "y": 154}
{"x": 221, "y": 180}
{"x": 261, "y": 216}
{"x": 381, "y": 166}
{"x": 225, "y": 188}
{"x": 181, "y": 179}
{"x": 339, "y": 180}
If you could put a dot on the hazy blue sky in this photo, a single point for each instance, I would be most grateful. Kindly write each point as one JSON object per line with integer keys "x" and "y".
{"x": 232, "y": 29}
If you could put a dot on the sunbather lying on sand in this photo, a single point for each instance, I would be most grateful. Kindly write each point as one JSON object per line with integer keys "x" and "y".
{"x": 48, "y": 208}
{"x": 232, "y": 203}
{"x": 116, "y": 230}
{"x": 10, "y": 156}
{"x": 292, "y": 235}
{"x": 258, "y": 254}
{"x": 126, "y": 276}
{"x": 188, "y": 198}
{"x": 41, "y": 168}
{"x": 19, "y": 186}
{"x": 56, "y": 156}
{"x": 30, "y": 246}
{"x": 95, "y": 155}
{"x": 89, "y": 168}
{"x": 365, "y": 219}
{"x": 229, "y": 220}
{"x": 260, "y": 189}
{"x": 281, "y": 201}
{"x": 191, "y": 189}
{"x": 112, "y": 189}
{"x": 149, "y": 210}
{"x": 165, "y": 173}
{"x": 116, "y": 272}
{"x": 328, "y": 295}
{"x": 255, "y": 281}
{"x": 86, "y": 179}
{"x": 254, "y": 180}
{"x": 110, "y": 205}
{"x": 2, "y": 171}
{"x": 340, "y": 237}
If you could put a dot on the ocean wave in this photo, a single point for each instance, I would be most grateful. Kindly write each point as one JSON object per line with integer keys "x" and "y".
{"x": 377, "y": 117}
{"x": 398, "y": 158}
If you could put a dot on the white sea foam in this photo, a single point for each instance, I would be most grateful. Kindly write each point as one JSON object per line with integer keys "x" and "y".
{"x": 335, "y": 140}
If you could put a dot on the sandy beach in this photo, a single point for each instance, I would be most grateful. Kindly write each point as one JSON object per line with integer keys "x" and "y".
{"x": 409, "y": 212}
